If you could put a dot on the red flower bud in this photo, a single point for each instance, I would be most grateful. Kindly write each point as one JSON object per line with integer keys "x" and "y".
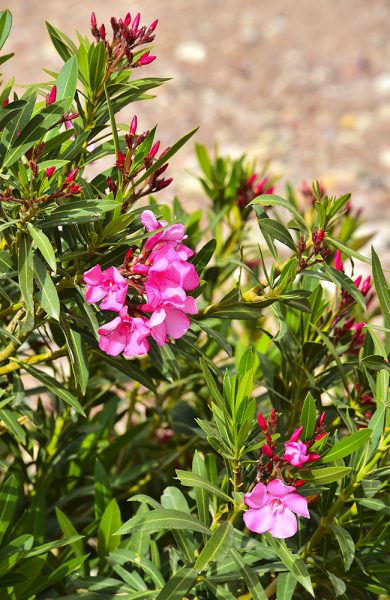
{"x": 71, "y": 176}
{"x": 6, "y": 101}
{"x": 52, "y": 96}
{"x": 366, "y": 286}
{"x": 321, "y": 235}
{"x": 145, "y": 59}
{"x": 321, "y": 418}
{"x": 262, "y": 422}
{"x": 313, "y": 457}
{"x": 120, "y": 161}
{"x": 299, "y": 482}
{"x": 136, "y": 22}
{"x": 74, "y": 189}
{"x": 267, "y": 451}
{"x": 133, "y": 126}
{"x": 154, "y": 150}
{"x": 127, "y": 20}
{"x": 358, "y": 280}
{"x": 49, "y": 171}
{"x": 93, "y": 20}
{"x": 337, "y": 262}
{"x": 297, "y": 434}
{"x": 152, "y": 26}
{"x": 163, "y": 184}
{"x": 320, "y": 436}
{"x": 102, "y": 31}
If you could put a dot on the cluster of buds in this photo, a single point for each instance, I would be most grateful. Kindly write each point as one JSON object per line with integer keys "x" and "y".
{"x": 318, "y": 252}
{"x": 127, "y": 36}
{"x": 314, "y": 192}
{"x": 295, "y": 453}
{"x": 365, "y": 404}
{"x": 124, "y": 163}
{"x": 159, "y": 278}
{"x": 343, "y": 309}
{"x": 250, "y": 188}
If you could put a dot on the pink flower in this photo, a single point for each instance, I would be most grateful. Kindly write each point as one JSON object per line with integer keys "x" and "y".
{"x": 174, "y": 234}
{"x": 272, "y": 509}
{"x": 171, "y": 320}
{"x": 168, "y": 277}
{"x": 337, "y": 262}
{"x": 108, "y": 284}
{"x": 124, "y": 334}
{"x": 296, "y": 453}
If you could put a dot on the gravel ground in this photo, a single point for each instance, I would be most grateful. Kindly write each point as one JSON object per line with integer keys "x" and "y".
{"x": 305, "y": 85}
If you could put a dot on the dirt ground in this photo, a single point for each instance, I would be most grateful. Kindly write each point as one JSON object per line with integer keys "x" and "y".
{"x": 303, "y": 84}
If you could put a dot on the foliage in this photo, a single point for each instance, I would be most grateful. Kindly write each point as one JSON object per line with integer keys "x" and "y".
{"x": 127, "y": 478}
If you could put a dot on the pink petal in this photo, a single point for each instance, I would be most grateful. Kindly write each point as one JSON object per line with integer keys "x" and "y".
{"x": 135, "y": 347}
{"x": 297, "y": 503}
{"x": 259, "y": 520}
{"x": 257, "y": 498}
{"x": 285, "y": 524}
{"x": 157, "y": 317}
{"x": 114, "y": 300}
{"x": 94, "y": 293}
{"x": 177, "y": 323}
{"x": 108, "y": 328}
{"x": 149, "y": 221}
{"x": 94, "y": 276}
{"x": 279, "y": 489}
{"x": 159, "y": 334}
{"x": 190, "y": 306}
{"x": 112, "y": 344}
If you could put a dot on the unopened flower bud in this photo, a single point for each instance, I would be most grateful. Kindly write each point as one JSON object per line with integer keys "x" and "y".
{"x": 337, "y": 262}
{"x": 133, "y": 125}
{"x": 5, "y": 101}
{"x": 136, "y": 22}
{"x": 296, "y": 435}
{"x": 71, "y": 176}
{"x": 313, "y": 457}
{"x": 152, "y": 26}
{"x": 321, "y": 418}
{"x": 93, "y": 20}
{"x": 49, "y": 171}
{"x": 154, "y": 150}
{"x": 102, "y": 31}
{"x": 267, "y": 451}
{"x": 358, "y": 281}
{"x": 164, "y": 183}
{"x": 127, "y": 19}
{"x": 145, "y": 59}
{"x": 320, "y": 236}
{"x": 74, "y": 188}
{"x": 366, "y": 286}
{"x": 262, "y": 422}
{"x": 320, "y": 436}
{"x": 299, "y": 482}
{"x": 52, "y": 96}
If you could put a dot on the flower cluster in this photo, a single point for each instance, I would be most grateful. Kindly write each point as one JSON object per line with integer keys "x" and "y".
{"x": 127, "y": 35}
{"x": 350, "y": 324}
{"x": 130, "y": 165}
{"x": 251, "y": 188}
{"x": 273, "y": 503}
{"x": 160, "y": 277}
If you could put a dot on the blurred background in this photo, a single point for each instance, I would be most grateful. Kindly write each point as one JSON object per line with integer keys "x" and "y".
{"x": 304, "y": 85}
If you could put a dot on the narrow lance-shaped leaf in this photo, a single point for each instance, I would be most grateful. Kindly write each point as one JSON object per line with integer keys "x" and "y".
{"x": 347, "y": 445}
{"x": 250, "y": 577}
{"x": 162, "y": 520}
{"x": 47, "y": 295}
{"x": 178, "y": 585}
{"x": 294, "y": 563}
{"x": 216, "y": 547}
{"x": 308, "y": 417}
{"x": 26, "y": 271}
{"x": 44, "y": 245}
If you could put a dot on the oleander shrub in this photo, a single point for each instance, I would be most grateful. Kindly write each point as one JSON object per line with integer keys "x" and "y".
{"x": 193, "y": 403}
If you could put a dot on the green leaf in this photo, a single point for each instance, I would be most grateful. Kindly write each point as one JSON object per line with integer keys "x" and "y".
{"x": 272, "y": 200}
{"x": 70, "y": 532}
{"x": 66, "y": 82}
{"x": 201, "y": 259}
{"x": 174, "y": 498}
{"x": 5, "y": 26}
{"x": 382, "y": 288}
{"x": 6, "y": 264}
{"x": 371, "y": 503}
{"x": 347, "y": 445}
{"x": 26, "y": 271}
{"x": 55, "y": 387}
{"x": 103, "y": 492}
{"x": 285, "y": 586}
{"x": 77, "y": 354}
{"x": 346, "y": 249}
{"x": 277, "y": 231}
{"x": 15, "y": 125}
{"x": 193, "y": 480}
{"x": 44, "y": 245}
{"x": 294, "y": 563}
{"x": 308, "y": 417}
{"x": 59, "y": 574}
{"x": 326, "y": 475}
{"x": 83, "y": 211}
{"x": 44, "y": 548}
{"x": 12, "y": 424}
{"x": 201, "y": 495}
{"x": 216, "y": 547}
{"x": 47, "y": 295}
{"x": 250, "y": 577}
{"x": 109, "y": 524}
{"x": 162, "y": 520}
{"x": 346, "y": 544}
{"x": 9, "y": 495}
{"x": 343, "y": 282}
{"x": 131, "y": 369}
{"x": 178, "y": 585}
{"x": 98, "y": 66}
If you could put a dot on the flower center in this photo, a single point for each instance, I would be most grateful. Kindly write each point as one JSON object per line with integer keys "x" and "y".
{"x": 277, "y": 506}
